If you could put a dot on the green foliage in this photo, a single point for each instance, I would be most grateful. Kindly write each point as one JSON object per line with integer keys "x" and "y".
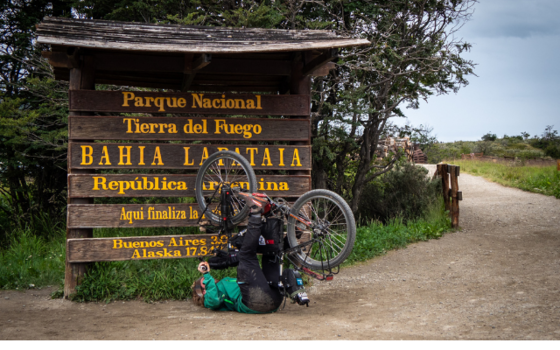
{"x": 544, "y": 180}
{"x": 248, "y": 14}
{"x": 351, "y": 107}
{"x": 553, "y": 150}
{"x": 146, "y": 11}
{"x": 405, "y": 192}
{"x": 32, "y": 261}
{"x": 519, "y": 146}
{"x": 509, "y": 147}
{"x": 377, "y": 238}
{"x": 549, "y": 142}
{"x": 489, "y": 137}
{"x": 32, "y": 124}
{"x": 33, "y": 135}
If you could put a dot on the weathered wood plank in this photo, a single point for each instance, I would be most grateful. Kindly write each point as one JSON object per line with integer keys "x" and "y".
{"x": 152, "y": 102}
{"x": 132, "y": 215}
{"x": 164, "y": 38}
{"x": 182, "y": 156}
{"x": 188, "y": 129}
{"x": 195, "y": 46}
{"x": 175, "y": 185}
{"x": 143, "y": 248}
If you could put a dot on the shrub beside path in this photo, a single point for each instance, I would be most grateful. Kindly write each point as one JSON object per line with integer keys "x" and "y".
{"x": 498, "y": 278}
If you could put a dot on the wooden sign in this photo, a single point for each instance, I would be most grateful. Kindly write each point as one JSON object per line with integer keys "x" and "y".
{"x": 132, "y": 215}
{"x": 150, "y": 185}
{"x": 195, "y": 103}
{"x": 142, "y": 248}
{"x": 188, "y": 129}
{"x": 182, "y": 156}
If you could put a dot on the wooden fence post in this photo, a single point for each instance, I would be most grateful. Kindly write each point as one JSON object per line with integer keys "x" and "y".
{"x": 454, "y": 173}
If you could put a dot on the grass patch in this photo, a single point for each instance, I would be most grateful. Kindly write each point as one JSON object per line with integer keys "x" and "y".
{"x": 148, "y": 280}
{"x": 544, "y": 180}
{"x": 30, "y": 260}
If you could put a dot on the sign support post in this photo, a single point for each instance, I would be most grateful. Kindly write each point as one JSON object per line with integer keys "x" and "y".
{"x": 81, "y": 78}
{"x": 300, "y": 85}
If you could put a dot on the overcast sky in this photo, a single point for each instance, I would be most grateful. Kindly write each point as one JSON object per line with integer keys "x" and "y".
{"x": 516, "y": 44}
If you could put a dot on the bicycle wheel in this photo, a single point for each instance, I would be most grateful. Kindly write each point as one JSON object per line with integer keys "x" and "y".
{"x": 329, "y": 229}
{"x": 224, "y": 167}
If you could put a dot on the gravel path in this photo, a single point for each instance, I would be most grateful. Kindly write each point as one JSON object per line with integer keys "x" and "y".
{"x": 498, "y": 278}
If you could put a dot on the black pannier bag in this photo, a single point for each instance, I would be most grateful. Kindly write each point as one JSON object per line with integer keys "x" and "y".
{"x": 272, "y": 237}
{"x": 271, "y": 240}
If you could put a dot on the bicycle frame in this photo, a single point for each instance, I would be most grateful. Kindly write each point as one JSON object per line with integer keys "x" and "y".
{"x": 226, "y": 228}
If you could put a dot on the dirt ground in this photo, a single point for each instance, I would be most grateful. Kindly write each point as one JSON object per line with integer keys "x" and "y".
{"x": 498, "y": 278}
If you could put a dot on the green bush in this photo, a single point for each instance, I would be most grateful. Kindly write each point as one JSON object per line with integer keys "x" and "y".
{"x": 404, "y": 192}
{"x": 489, "y": 137}
{"x": 553, "y": 150}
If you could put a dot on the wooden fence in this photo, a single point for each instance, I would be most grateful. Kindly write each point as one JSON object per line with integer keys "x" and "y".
{"x": 451, "y": 196}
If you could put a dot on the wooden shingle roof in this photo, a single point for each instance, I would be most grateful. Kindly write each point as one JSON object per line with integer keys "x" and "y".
{"x": 192, "y": 58}
{"x": 188, "y": 39}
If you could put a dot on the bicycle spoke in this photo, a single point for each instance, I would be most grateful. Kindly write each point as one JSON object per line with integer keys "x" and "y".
{"x": 333, "y": 242}
{"x": 333, "y": 238}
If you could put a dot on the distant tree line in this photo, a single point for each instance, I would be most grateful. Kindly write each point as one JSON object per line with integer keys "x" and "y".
{"x": 548, "y": 141}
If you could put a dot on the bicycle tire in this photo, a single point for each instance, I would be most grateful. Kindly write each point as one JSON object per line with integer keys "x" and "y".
{"x": 338, "y": 237}
{"x": 216, "y": 171}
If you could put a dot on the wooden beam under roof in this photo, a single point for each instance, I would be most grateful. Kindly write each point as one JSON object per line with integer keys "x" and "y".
{"x": 320, "y": 61}
{"x": 192, "y": 67}
{"x": 166, "y": 71}
{"x": 126, "y": 62}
